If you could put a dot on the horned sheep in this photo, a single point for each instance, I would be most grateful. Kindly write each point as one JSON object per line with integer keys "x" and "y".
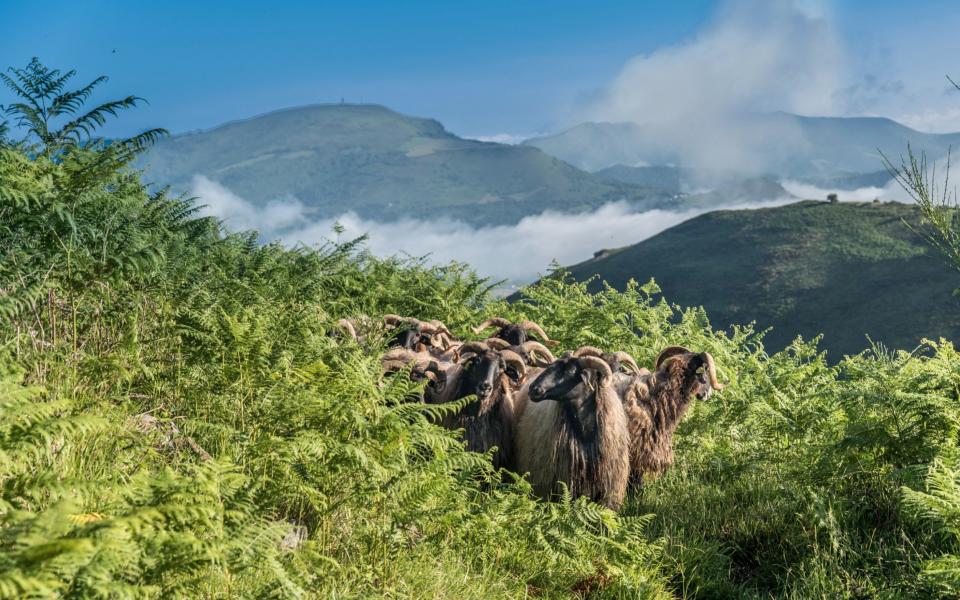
{"x": 574, "y": 431}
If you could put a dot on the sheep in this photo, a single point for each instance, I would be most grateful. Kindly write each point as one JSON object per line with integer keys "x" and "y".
{"x": 656, "y": 402}
{"x": 537, "y": 356}
{"x": 482, "y": 371}
{"x": 424, "y": 365}
{"x": 515, "y": 333}
{"x": 404, "y": 332}
{"x": 488, "y": 421}
{"x": 414, "y": 334}
{"x": 580, "y": 437}
{"x": 533, "y": 353}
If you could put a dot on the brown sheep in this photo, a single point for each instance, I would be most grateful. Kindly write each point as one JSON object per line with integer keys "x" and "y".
{"x": 655, "y": 403}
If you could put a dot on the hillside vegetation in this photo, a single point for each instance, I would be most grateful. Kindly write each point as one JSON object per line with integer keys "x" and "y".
{"x": 176, "y": 421}
{"x": 382, "y": 165}
{"x": 846, "y": 271}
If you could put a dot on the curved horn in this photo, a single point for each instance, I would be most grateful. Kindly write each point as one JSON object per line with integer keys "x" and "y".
{"x": 474, "y": 347}
{"x": 497, "y": 344}
{"x": 427, "y": 328}
{"x": 442, "y": 340}
{"x": 440, "y": 327}
{"x": 533, "y": 346}
{"x": 391, "y": 319}
{"x": 491, "y": 322}
{"x": 347, "y": 325}
{"x": 511, "y": 358}
{"x": 667, "y": 353}
{"x": 531, "y": 326}
{"x": 399, "y": 358}
{"x": 625, "y": 359}
{"x": 588, "y": 351}
{"x": 598, "y": 364}
{"x": 712, "y": 372}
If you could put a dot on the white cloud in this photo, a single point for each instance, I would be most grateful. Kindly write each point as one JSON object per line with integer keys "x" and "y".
{"x": 934, "y": 120}
{"x": 808, "y": 191}
{"x": 239, "y": 215}
{"x": 758, "y": 55}
{"x": 517, "y": 252}
{"x": 500, "y": 138}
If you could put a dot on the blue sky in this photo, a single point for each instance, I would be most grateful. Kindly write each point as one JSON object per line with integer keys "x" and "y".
{"x": 483, "y": 68}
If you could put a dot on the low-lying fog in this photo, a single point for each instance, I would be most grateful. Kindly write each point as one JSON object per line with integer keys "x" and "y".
{"x": 518, "y": 253}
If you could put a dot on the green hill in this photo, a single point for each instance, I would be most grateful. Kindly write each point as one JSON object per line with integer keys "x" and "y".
{"x": 847, "y": 270}
{"x": 384, "y": 165}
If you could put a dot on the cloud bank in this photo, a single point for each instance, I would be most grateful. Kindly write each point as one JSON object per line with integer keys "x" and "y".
{"x": 518, "y": 253}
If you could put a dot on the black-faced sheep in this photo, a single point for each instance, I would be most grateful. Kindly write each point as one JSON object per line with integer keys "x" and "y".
{"x": 537, "y": 357}
{"x": 656, "y": 402}
{"x": 533, "y": 353}
{"x": 489, "y": 420}
{"x": 481, "y": 371}
{"x": 574, "y": 431}
{"x": 515, "y": 333}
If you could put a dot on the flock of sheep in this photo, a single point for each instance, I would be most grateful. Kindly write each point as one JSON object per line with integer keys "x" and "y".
{"x": 593, "y": 420}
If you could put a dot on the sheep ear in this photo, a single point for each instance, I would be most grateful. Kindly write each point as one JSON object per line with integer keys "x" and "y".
{"x": 696, "y": 363}
{"x": 587, "y": 378}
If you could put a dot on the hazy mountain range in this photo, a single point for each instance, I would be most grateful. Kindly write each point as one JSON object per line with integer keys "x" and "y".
{"x": 818, "y": 149}
{"x": 385, "y": 166}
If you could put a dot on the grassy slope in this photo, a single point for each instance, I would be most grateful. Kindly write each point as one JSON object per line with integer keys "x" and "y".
{"x": 846, "y": 270}
{"x": 381, "y": 164}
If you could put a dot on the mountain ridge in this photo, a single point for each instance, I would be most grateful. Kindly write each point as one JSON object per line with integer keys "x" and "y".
{"x": 383, "y": 165}
{"x": 846, "y": 270}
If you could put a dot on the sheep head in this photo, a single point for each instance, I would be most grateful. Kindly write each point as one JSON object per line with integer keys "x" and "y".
{"x": 484, "y": 368}
{"x": 698, "y": 372}
{"x": 347, "y": 326}
{"x": 565, "y": 377}
{"x": 515, "y": 333}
